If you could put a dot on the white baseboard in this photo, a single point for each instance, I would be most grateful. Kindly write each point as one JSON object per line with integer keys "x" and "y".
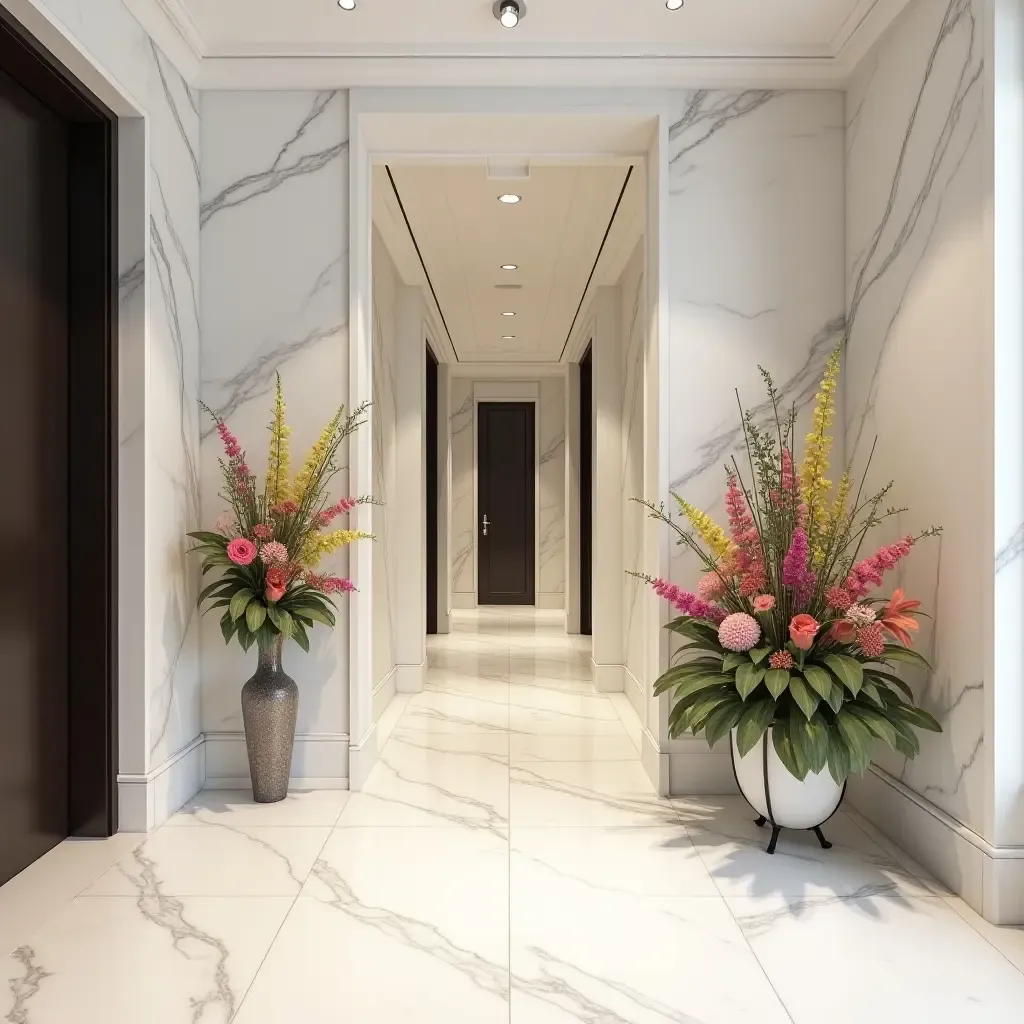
{"x": 655, "y": 762}
{"x": 550, "y": 601}
{"x": 410, "y": 678}
{"x": 320, "y": 761}
{"x": 383, "y": 693}
{"x": 989, "y": 878}
{"x": 463, "y": 601}
{"x": 146, "y": 801}
{"x": 607, "y": 678}
{"x": 634, "y": 690}
{"x": 362, "y": 756}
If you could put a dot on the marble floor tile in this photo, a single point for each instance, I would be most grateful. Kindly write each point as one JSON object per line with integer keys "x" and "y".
{"x": 216, "y": 860}
{"x": 238, "y": 809}
{"x": 584, "y": 704}
{"x": 548, "y": 722}
{"x": 888, "y": 959}
{"x": 628, "y": 716}
{"x": 158, "y": 959}
{"x": 431, "y": 712}
{"x": 528, "y": 749}
{"x": 585, "y": 793}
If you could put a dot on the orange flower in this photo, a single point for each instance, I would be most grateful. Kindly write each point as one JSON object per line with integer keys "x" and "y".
{"x": 802, "y": 629}
{"x": 843, "y": 631}
{"x": 897, "y": 617}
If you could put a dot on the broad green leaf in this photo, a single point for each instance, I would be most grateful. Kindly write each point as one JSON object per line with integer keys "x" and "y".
{"x": 282, "y": 621}
{"x": 777, "y": 681}
{"x": 313, "y": 612}
{"x": 695, "y": 683}
{"x": 860, "y": 741}
{"x": 818, "y": 679}
{"x": 239, "y": 602}
{"x": 255, "y": 615}
{"x": 756, "y": 718}
{"x": 879, "y": 725}
{"x": 692, "y": 628}
{"x": 897, "y": 652}
{"x": 836, "y": 697}
{"x": 698, "y": 712}
{"x": 245, "y": 638}
{"x": 299, "y": 635}
{"x": 919, "y": 718}
{"x": 906, "y": 733}
{"x": 721, "y": 720}
{"x": 869, "y": 692}
{"x": 206, "y": 537}
{"x": 733, "y": 660}
{"x": 892, "y": 680}
{"x": 221, "y": 602}
{"x": 227, "y": 627}
{"x": 849, "y": 671}
{"x": 806, "y": 698}
{"x": 206, "y": 592}
{"x": 748, "y": 676}
{"x": 838, "y": 756}
{"x": 674, "y": 676}
{"x": 758, "y": 654}
{"x": 783, "y": 743}
{"x": 812, "y": 738}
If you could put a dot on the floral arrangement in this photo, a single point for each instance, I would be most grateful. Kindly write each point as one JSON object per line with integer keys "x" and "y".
{"x": 785, "y": 631}
{"x": 270, "y": 540}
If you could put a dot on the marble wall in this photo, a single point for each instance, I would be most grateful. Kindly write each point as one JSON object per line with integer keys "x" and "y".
{"x": 158, "y": 424}
{"x": 551, "y": 489}
{"x": 462, "y": 417}
{"x": 274, "y": 245}
{"x": 918, "y": 307}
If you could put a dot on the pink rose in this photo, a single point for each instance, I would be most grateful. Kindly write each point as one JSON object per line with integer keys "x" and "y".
{"x": 274, "y": 594}
{"x": 802, "y": 630}
{"x": 764, "y": 603}
{"x": 241, "y": 551}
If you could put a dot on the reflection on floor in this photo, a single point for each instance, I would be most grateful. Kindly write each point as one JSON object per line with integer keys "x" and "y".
{"x": 507, "y": 861}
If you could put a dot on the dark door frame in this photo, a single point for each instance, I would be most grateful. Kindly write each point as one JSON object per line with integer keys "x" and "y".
{"x": 531, "y": 501}
{"x": 92, "y": 426}
{"x": 430, "y": 422}
{"x": 586, "y": 492}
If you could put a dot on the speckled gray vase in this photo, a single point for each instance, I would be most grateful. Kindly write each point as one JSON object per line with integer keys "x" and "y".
{"x": 270, "y": 702}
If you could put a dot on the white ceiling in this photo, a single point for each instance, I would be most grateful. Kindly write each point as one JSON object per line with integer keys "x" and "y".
{"x": 722, "y": 28}
{"x": 465, "y": 235}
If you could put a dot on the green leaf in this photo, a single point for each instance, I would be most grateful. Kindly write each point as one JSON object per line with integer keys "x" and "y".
{"x": 733, "y": 660}
{"x": 674, "y": 676}
{"x": 806, "y": 698}
{"x": 693, "y": 628}
{"x": 918, "y": 717}
{"x": 692, "y": 713}
{"x": 838, "y": 756}
{"x": 721, "y": 720}
{"x": 315, "y": 612}
{"x": 221, "y": 602}
{"x": 892, "y": 680}
{"x": 836, "y": 697}
{"x": 299, "y": 635}
{"x": 245, "y": 638}
{"x": 255, "y": 615}
{"x": 748, "y": 676}
{"x": 227, "y": 627}
{"x": 206, "y": 592}
{"x": 207, "y": 537}
{"x": 879, "y": 725}
{"x": 897, "y": 652}
{"x": 759, "y": 654}
{"x": 756, "y": 718}
{"x": 849, "y": 671}
{"x": 869, "y": 692}
{"x": 818, "y": 679}
{"x": 783, "y": 743}
{"x": 811, "y": 736}
{"x": 860, "y": 741}
{"x": 239, "y": 602}
{"x": 695, "y": 683}
{"x": 777, "y": 681}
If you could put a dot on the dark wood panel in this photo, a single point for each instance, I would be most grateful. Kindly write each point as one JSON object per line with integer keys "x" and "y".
{"x": 430, "y": 427}
{"x": 586, "y": 492}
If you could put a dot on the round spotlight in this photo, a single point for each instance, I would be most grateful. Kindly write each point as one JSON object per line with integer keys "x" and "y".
{"x": 509, "y": 266}
{"x": 510, "y": 198}
{"x": 347, "y": 5}
{"x": 674, "y": 5}
{"x": 509, "y": 12}
{"x": 508, "y": 314}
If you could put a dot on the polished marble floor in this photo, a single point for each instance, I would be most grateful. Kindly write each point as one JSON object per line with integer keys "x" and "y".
{"x": 508, "y": 861}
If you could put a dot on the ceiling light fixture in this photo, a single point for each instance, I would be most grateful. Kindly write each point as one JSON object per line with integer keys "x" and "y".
{"x": 508, "y": 314}
{"x": 674, "y": 5}
{"x": 509, "y": 12}
{"x": 510, "y": 197}
{"x": 347, "y": 5}
{"x": 508, "y": 337}
{"x": 509, "y": 266}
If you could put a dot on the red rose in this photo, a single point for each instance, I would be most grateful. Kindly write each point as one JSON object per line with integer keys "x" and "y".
{"x": 277, "y": 584}
{"x": 802, "y": 630}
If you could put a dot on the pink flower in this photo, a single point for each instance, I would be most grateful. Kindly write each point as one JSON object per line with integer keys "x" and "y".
{"x": 842, "y": 632}
{"x": 860, "y": 614}
{"x": 687, "y": 603}
{"x": 338, "y": 585}
{"x": 241, "y": 551}
{"x": 752, "y": 581}
{"x": 781, "y": 659}
{"x": 867, "y": 573}
{"x": 274, "y": 553}
{"x": 711, "y": 586}
{"x": 838, "y": 598}
{"x": 802, "y": 630}
{"x": 788, "y": 477}
{"x": 262, "y": 532}
{"x": 739, "y": 632}
{"x": 328, "y": 515}
{"x": 231, "y": 445}
{"x": 224, "y": 523}
{"x": 871, "y": 639}
{"x": 277, "y": 584}
{"x": 285, "y": 508}
{"x": 764, "y": 603}
{"x": 795, "y": 571}
{"x": 741, "y": 525}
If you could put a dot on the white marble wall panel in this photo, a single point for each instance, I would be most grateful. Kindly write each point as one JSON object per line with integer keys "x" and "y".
{"x": 918, "y": 367}
{"x": 551, "y": 484}
{"x": 463, "y": 527}
{"x": 159, "y": 353}
{"x": 385, "y": 284}
{"x": 755, "y": 234}
{"x": 274, "y": 233}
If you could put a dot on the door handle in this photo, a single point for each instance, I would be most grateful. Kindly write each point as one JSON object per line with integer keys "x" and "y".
{"x": 486, "y": 524}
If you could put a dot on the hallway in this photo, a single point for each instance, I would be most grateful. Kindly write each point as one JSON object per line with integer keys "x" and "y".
{"x": 507, "y": 860}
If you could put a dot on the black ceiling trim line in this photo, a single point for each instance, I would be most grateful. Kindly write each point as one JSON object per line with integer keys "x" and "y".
{"x": 597, "y": 259}
{"x": 426, "y": 273}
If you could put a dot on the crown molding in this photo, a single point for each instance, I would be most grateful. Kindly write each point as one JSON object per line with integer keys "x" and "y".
{"x": 866, "y": 24}
{"x": 171, "y": 27}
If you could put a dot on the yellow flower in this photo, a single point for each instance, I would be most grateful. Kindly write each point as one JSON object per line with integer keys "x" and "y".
{"x": 714, "y": 537}
{"x": 835, "y": 516}
{"x": 318, "y": 546}
{"x": 315, "y": 458}
{"x": 814, "y": 484}
{"x": 278, "y": 462}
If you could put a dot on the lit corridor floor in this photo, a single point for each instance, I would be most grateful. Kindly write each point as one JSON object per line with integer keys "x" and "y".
{"x": 507, "y": 861}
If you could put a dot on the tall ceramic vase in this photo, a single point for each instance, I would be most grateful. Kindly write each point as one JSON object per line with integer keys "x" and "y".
{"x": 270, "y": 703}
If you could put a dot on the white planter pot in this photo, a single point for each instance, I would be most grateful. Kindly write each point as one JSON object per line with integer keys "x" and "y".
{"x": 794, "y": 803}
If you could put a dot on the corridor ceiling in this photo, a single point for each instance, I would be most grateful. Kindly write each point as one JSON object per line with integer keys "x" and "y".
{"x": 703, "y": 28}
{"x": 552, "y": 236}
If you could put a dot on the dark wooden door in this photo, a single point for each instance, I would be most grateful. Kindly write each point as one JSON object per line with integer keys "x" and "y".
{"x": 586, "y": 492}
{"x": 34, "y": 326}
{"x": 430, "y": 428}
{"x": 505, "y": 502}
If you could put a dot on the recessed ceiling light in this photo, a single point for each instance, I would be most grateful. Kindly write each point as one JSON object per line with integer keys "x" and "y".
{"x": 508, "y": 337}
{"x": 347, "y": 5}
{"x": 509, "y": 266}
{"x": 673, "y": 5}
{"x": 509, "y": 197}
{"x": 508, "y": 314}
{"x": 509, "y": 12}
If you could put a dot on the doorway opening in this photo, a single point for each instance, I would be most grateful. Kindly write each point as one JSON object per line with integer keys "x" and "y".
{"x": 58, "y": 297}
{"x": 586, "y": 484}
{"x": 430, "y": 442}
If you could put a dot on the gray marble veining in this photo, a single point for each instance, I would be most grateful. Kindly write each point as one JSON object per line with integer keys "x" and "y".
{"x": 23, "y": 988}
